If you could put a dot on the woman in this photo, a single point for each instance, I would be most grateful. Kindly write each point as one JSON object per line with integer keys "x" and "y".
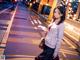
{"x": 54, "y": 35}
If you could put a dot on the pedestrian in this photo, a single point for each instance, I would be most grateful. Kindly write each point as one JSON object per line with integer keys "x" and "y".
{"x": 54, "y": 36}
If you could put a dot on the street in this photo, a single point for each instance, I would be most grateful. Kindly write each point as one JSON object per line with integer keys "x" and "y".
{"x": 23, "y": 36}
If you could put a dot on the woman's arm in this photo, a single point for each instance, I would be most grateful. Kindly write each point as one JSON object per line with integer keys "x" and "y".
{"x": 43, "y": 28}
{"x": 59, "y": 39}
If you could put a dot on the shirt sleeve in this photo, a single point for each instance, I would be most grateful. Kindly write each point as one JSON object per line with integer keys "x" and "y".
{"x": 59, "y": 37}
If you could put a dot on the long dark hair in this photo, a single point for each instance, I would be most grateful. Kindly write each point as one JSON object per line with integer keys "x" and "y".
{"x": 62, "y": 11}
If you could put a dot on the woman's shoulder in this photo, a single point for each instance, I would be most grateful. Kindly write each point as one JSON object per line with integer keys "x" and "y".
{"x": 61, "y": 25}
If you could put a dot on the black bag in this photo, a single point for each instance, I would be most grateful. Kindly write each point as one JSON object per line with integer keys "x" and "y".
{"x": 42, "y": 44}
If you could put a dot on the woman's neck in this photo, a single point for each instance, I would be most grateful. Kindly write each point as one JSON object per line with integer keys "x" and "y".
{"x": 57, "y": 20}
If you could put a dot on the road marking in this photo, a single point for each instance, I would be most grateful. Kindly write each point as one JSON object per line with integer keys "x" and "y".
{"x": 39, "y": 21}
{"x": 5, "y": 10}
{"x": 8, "y": 30}
{"x": 35, "y": 21}
{"x": 32, "y": 22}
{"x": 25, "y": 56}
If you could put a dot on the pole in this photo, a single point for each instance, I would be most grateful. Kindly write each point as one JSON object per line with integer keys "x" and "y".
{"x": 51, "y": 12}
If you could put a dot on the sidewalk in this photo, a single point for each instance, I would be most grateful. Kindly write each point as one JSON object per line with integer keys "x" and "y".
{"x": 5, "y": 18}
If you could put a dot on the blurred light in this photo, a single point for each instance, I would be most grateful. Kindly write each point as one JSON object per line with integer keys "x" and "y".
{"x": 34, "y": 2}
{"x": 47, "y": 4}
{"x": 15, "y": 0}
{"x": 69, "y": 26}
{"x": 74, "y": 17}
{"x": 41, "y": 3}
{"x": 66, "y": 2}
{"x": 70, "y": 0}
{"x": 72, "y": 28}
{"x": 69, "y": 4}
{"x": 30, "y": 5}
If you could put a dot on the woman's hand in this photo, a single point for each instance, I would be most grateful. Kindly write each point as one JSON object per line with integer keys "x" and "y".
{"x": 55, "y": 54}
{"x": 43, "y": 28}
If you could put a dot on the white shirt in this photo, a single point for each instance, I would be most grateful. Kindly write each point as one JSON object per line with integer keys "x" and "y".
{"x": 54, "y": 36}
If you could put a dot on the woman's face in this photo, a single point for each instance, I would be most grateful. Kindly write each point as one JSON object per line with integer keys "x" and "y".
{"x": 57, "y": 14}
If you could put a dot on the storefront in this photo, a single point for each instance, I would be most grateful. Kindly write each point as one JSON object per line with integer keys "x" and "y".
{"x": 73, "y": 15}
{"x": 72, "y": 22}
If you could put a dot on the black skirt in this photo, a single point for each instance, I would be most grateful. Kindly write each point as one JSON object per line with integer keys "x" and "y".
{"x": 47, "y": 54}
